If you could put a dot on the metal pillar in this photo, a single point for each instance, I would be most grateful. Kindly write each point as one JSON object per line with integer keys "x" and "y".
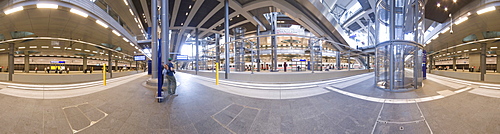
{"x": 368, "y": 62}
{"x": 116, "y": 65}
{"x": 11, "y": 60}
{"x": 431, "y": 63}
{"x": 85, "y": 62}
{"x": 274, "y": 50}
{"x": 482, "y": 66}
{"x": 349, "y": 61}
{"x": 258, "y": 48}
{"x": 454, "y": 63}
{"x": 217, "y": 48}
{"x": 110, "y": 68}
{"x": 498, "y": 62}
{"x": 311, "y": 55}
{"x": 154, "y": 38}
{"x": 197, "y": 52}
{"x": 391, "y": 67}
{"x": 226, "y": 34}
{"x": 26, "y": 62}
{"x": 165, "y": 32}
{"x": 338, "y": 60}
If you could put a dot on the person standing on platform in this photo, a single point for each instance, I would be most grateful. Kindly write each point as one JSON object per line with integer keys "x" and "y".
{"x": 36, "y": 69}
{"x": 171, "y": 82}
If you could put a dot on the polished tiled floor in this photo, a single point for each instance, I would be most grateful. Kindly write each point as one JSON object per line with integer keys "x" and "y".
{"x": 348, "y": 105}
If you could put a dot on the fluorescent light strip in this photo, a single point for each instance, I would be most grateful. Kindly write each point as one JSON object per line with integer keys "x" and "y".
{"x": 78, "y": 49}
{"x": 125, "y": 39}
{"x": 56, "y": 47}
{"x": 33, "y": 46}
{"x": 132, "y": 44}
{"x": 2, "y": 49}
{"x": 22, "y": 47}
{"x": 473, "y": 49}
{"x": 445, "y": 30}
{"x": 45, "y": 46}
{"x": 78, "y": 12}
{"x": 461, "y": 19}
{"x": 12, "y": 10}
{"x": 131, "y": 12}
{"x": 101, "y": 23}
{"x": 493, "y": 47}
{"x": 116, "y": 33}
{"x": 126, "y": 3}
{"x": 51, "y": 6}
{"x": 488, "y": 9}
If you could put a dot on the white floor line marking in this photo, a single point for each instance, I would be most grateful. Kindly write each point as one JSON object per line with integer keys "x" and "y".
{"x": 424, "y": 117}
{"x": 378, "y": 117}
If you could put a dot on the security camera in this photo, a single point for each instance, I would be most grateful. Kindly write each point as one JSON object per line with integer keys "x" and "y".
{"x": 451, "y": 32}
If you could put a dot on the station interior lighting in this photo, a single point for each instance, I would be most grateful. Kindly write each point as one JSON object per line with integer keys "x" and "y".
{"x": 493, "y": 47}
{"x": 126, "y": 3}
{"x": 51, "y": 6}
{"x": 125, "y": 39}
{"x": 78, "y": 12}
{"x": 461, "y": 19}
{"x": 13, "y": 10}
{"x": 488, "y": 9}
{"x": 101, "y": 23}
{"x": 116, "y": 33}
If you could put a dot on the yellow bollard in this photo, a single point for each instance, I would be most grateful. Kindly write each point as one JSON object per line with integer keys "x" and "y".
{"x": 104, "y": 74}
{"x": 216, "y": 73}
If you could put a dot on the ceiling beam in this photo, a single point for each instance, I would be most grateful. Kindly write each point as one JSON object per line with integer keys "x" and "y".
{"x": 215, "y": 10}
{"x": 145, "y": 10}
{"x": 191, "y": 14}
{"x": 177, "y": 4}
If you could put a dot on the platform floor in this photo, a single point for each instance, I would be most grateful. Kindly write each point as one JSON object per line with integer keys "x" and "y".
{"x": 345, "y": 105}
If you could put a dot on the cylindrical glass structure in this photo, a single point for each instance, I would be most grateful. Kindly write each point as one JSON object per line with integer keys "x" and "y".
{"x": 399, "y": 25}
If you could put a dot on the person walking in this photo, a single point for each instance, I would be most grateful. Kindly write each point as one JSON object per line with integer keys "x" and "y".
{"x": 171, "y": 82}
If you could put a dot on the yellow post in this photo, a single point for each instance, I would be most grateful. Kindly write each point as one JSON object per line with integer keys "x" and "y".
{"x": 216, "y": 73}
{"x": 104, "y": 74}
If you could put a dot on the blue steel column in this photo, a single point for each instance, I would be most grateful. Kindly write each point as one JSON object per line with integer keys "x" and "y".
{"x": 197, "y": 52}
{"x": 226, "y": 34}
{"x": 165, "y": 32}
{"x": 274, "y": 45}
{"x": 154, "y": 38}
{"x": 258, "y": 48}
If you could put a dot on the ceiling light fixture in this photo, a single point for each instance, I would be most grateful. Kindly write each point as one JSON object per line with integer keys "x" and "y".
{"x": 446, "y": 9}
{"x": 51, "y": 6}
{"x": 101, "y": 23}
{"x": 126, "y": 3}
{"x": 12, "y": 10}
{"x": 454, "y": 1}
{"x": 438, "y": 5}
{"x": 461, "y": 19}
{"x": 78, "y": 12}
{"x": 116, "y": 33}
{"x": 488, "y": 9}
{"x": 189, "y": 6}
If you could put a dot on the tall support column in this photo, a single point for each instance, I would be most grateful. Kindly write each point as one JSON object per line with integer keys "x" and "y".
{"x": 217, "y": 48}
{"x": 85, "y": 62}
{"x": 116, "y": 65}
{"x": 368, "y": 62}
{"x": 391, "y": 67}
{"x": 26, "y": 62}
{"x": 226, "y": 34}
{"x": 338, "y": 60}
{"x": 274, "y": 45}
{"x": 165, "y": 32}
{"x": 349, "y": 61}
{"x": 110, "y": 67}
{"x": 498, "y": 62}
{"x": 154, "y": 38}
{"x": 454, "y": 63}
{"x": 483, "y": 61}
{"x": 197, "y": 52}
{"x": 431, "y": 63}
{"x": 11, "y": 61}
{"x": 311, "y": 56}
{"x": 258, "y": 48}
